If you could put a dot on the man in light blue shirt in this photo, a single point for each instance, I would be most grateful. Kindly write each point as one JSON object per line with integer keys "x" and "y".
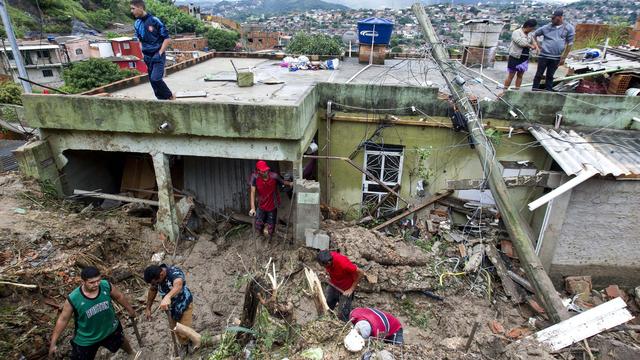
{"x": 556, "y": 44}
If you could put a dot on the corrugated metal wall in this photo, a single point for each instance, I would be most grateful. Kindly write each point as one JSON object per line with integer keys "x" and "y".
{"x": 218, "y": 182}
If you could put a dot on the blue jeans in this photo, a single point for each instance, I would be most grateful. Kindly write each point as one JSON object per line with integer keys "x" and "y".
{"x": 155, "y": 68}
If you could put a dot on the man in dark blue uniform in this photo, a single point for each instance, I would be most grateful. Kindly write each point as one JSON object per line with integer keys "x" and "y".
{"x": 155, "y": 39}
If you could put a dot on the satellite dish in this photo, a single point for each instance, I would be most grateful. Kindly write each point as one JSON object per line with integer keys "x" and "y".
{"x": 350, "y": 36}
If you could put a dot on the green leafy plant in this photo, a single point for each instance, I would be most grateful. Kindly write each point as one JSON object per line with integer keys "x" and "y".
{"x": 90, "y": 74}
{"x": 228, "y": 347}
{"x": 10, "y": 93}
{"x": 316, "y": 44}
{"x": 416, "y": 317}
{"x": 221, "y": 40}
{"x": 493, "y": 135}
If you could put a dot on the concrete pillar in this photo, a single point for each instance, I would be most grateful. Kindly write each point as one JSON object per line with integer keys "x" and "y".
{"x": 166, "y": 219}
{"x": 307, "y": 211}
{"x": 35, "y": 160}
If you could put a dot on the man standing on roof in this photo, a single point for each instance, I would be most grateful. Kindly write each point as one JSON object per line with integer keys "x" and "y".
{"x": 155, "y": 39}
{"x": 370, "y": 322}
{"x": 556, "y": 44}
{"x": 344, "y": 277}
{"x": 95, "y": 319}
{"x": 265, "y": 183}
{"x": 171, "y": 282}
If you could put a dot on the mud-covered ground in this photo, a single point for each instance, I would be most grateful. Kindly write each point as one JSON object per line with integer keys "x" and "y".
{"x": 45, "y": 242}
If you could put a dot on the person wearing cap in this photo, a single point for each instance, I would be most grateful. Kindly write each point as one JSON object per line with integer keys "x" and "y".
{"x": 522, "y": 44}
{"x": 556, "y": 44}
{"x": 265, "y": 183}
{"x": 344, "y": 277}
{"x": 370, "y": 322}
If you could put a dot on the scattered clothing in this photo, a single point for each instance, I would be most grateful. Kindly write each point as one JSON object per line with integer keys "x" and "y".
{"x": 94, "y": 318}
{"x": 182, "y": 300}
{"x": 377, "y": 323}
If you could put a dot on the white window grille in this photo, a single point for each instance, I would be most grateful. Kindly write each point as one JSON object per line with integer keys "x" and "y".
{"x": 385, "y": 163}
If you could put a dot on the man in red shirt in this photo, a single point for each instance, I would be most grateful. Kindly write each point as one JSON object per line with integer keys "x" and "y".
{"x": 378, "y": 324}
{"x": 265, "y": 183}
{"x": 344, "y": 277}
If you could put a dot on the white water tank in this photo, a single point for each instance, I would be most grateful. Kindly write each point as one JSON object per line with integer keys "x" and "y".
{"x": 481, "y": 33}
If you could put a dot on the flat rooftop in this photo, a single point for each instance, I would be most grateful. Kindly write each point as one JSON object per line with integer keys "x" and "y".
{"x": 288, "y": 87}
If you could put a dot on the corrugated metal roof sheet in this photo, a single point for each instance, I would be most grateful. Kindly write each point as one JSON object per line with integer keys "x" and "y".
{"x": 609, "y": 153}
{"x": 220, "y": 183}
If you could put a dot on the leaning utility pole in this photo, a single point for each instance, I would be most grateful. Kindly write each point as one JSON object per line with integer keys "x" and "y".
{"x": 8, "y": 28}
{"x": 516, "y": 225}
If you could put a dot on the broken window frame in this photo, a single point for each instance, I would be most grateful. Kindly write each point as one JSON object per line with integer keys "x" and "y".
{"x": 371, "y": 190}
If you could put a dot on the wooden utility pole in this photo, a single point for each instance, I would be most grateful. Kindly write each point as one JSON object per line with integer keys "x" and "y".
{"x": 517, "y": 227}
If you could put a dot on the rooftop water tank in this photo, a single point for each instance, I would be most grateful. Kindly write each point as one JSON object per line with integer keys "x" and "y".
{"x": 375, "y": 30}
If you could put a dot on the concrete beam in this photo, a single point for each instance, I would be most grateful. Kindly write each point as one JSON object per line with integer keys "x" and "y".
{"x": 167, "y": 218}
{"x": 228, "y": 120}
{"x": 175, "y": 145}
{"x": 36, "y": 160}
{"x": 547, "y": 179}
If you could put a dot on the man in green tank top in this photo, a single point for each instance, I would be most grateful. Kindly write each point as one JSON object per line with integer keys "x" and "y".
{"x": 95, "y": 319}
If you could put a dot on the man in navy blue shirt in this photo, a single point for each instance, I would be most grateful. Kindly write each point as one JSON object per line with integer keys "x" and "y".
{"x": 155, "y": 39}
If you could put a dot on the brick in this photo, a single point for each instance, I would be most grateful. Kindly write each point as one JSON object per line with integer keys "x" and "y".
{"x": 517, "y": 333}
{"x": 535, "y": 306}
{"x": 496, "y": 327}
{"x": 613, "y": 291}
{"x": 578, "y": 285}
{"x": 507, "y": 248}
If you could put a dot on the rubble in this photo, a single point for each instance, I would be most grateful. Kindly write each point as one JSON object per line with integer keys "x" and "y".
{"x": 404, "y": 275}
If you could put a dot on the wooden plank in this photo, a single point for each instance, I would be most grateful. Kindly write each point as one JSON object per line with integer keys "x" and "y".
{"x": 409, "y": 212}
{"x": 507, "y": 284}
{"x": 114, "y": 197}
{"x": 584, "y": 325}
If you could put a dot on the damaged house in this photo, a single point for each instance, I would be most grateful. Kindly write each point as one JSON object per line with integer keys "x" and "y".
{"x": 383, "y": 121}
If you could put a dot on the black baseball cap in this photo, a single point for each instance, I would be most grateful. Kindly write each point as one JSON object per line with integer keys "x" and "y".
{"x": 558, "y": 12}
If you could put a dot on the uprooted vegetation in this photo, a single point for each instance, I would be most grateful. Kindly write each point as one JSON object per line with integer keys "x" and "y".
{"x": 419, "y": 276}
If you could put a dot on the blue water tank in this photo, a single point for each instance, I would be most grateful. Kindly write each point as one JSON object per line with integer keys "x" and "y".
{"x": 375, "y": 29}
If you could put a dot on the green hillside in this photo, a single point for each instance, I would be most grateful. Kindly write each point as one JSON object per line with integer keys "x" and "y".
{"x": 57, "y": 16}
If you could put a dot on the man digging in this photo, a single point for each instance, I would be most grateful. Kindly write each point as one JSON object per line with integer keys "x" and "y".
{"x": 170, "y": 281}
{"x": 344, "y": 277}
{"x": 265, "y": 183}
{"x": 95, "y": 319}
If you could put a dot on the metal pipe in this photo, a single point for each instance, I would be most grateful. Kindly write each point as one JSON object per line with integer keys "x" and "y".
{"x": 17, "y": 57}
{"x": 580, "y": 76}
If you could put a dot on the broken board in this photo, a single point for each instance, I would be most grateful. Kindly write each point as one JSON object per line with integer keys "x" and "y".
{"x": 584, "y": 325}
{"x": 190, "y": 94}
{"x": 221, "y": 76}
{"x": 507, "y": 283}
